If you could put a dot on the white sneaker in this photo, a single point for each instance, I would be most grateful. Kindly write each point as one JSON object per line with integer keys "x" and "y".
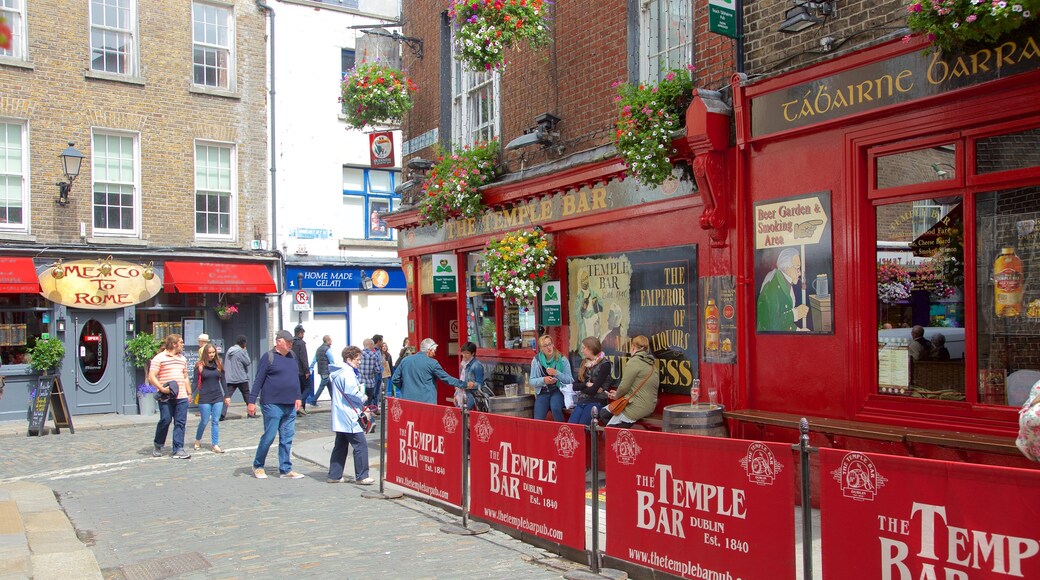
{"x": 259, "y": 473}
{"x": 366, "y": 481}
{"x": 291, "y": 475}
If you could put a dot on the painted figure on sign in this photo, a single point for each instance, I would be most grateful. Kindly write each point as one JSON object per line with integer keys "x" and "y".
{"x": 776, "y": 310}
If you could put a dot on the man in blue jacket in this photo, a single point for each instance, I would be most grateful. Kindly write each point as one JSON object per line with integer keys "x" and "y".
{"x": 415, "y": 376}
{"x": 277, "y": 384}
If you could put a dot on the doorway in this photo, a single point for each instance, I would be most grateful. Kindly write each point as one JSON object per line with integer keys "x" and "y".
{"x": 443, "y": 328}
{"x": 94, "y": 374}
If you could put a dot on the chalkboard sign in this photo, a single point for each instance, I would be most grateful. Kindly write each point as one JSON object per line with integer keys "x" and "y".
{"x": 48, "y": 399}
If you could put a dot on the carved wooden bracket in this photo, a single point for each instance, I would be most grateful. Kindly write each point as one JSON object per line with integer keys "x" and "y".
{"x": 707, "y": 134}
{"x": 709, "y": 169}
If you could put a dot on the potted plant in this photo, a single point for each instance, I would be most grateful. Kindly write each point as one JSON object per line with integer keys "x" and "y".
{"x": 516, "y": 265}
{"x": 952, "y": 24}
{"x": 139, "y": 352}
{"x": 224, "y": 311}
{"x": 146, "y": 404}
{"x": 484, "y": 29}
{"x": 374, "y": 93}
{"x": 452, "y": 186}
{"x": 648, "y": 116}
{"x": 46, "y": 355}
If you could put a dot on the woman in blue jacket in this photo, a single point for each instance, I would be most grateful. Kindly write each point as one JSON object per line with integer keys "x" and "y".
{"x": 348, "y": 398}
{"x": 472, "y": 373}
{"x": 550, "y": 370}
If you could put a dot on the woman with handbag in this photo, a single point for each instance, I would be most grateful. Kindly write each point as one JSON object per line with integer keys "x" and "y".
{"x": 593, "y": 381}
{"x": 550, "y": 370}
{"x": 636, "y": 396}
{"x": 212, "y": 395}
{"x": 348, "y": 400}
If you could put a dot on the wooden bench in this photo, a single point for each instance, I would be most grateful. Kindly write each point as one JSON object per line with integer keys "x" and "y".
{"x": 878, "y": 432}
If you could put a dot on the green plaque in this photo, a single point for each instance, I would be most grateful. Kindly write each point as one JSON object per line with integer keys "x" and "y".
{"x": 722, "y": 17}
{"x": 551, "y": 311}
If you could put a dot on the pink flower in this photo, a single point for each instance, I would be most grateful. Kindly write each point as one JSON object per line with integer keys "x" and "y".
{"x": 669, "y": 76}
{"x": 914, "y": 7}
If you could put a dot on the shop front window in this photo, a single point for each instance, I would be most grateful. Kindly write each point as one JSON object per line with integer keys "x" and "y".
{"x": 480, "y": 305}
{"x": 23, "y": 320}
{"x": 518, "y": 326}
{"x": 1007, "y": 294}
{"x": 920, "y": 298}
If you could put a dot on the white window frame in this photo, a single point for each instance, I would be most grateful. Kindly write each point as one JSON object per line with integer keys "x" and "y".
{"x": 368, "y": 194}
{"x": 232, "y": 193}
{"x": 23, "y": 173}
{"x": 94, "y": 159}
{"x": 132, "y": 57}
{"x": 13, "y": 12}
{"x": 467, "y": 90}
{"x": 658, "y": 52}
{"x": 229, "y": 49}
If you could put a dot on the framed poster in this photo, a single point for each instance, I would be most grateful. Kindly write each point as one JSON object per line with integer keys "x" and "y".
{"x": 794, "y": 265}
{"x": 615, "y": 297}
{"x": 377, "y": 228}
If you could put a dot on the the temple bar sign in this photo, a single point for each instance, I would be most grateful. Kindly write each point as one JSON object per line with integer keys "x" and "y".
{"x": 904, "y": 78}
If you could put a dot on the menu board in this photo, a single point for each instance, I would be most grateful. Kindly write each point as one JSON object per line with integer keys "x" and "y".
{"x": 893, "y": 367}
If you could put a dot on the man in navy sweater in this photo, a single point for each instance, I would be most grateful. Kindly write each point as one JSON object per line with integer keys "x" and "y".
{"x": 277, "y": 384}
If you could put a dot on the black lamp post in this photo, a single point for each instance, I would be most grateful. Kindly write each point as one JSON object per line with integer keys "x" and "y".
{"x": 71, "y": 161}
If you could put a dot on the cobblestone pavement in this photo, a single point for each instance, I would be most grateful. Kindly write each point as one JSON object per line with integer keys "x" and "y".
{"x": 132, "y": 508}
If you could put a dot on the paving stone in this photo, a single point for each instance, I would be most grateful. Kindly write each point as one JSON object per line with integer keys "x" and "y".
{"x": 79, "y": 564}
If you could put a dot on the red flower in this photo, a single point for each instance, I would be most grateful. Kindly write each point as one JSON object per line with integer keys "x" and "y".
{"x": 5, "y": 35}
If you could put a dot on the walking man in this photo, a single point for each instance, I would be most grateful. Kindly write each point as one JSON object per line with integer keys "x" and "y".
{"x": 236, "y": 369}
{"x": 278, "y": 387}
{"x": 323, "y": 358}
{"x": 299, "y": 348}
{"x": 371, "y": 368}
{"x": 415, "y": 377}
{"x": 170, "y": 366}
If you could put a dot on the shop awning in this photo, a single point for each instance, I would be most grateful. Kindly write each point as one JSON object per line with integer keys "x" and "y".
{"x": 18, "y": 275}
{"x": 216, "y": 277}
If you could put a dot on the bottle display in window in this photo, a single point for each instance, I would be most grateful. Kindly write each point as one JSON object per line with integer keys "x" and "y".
{"x": 1007, "y": 284}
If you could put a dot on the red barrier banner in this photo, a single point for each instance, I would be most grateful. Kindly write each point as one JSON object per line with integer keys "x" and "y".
{"x": 529, "y": 475}
{"x": 424, "y": 449}
{"x": 899, "y": 518}
{"x": 701, "y": 507}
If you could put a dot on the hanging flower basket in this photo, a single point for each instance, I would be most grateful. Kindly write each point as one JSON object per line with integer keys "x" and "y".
{"x": 485, "y": 29}
{"x": 452, "y": 186}
{"x": 516, "y": 265}
{"x": 5, "y": 35}
{"x": 225, "y": 311}
{"x": 373, "y": 94}
{"x": 952, "y": 24}
{"x": 648, "y": 115}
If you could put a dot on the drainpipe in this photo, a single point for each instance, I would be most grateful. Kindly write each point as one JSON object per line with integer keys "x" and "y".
{"x": 274, "y": 157}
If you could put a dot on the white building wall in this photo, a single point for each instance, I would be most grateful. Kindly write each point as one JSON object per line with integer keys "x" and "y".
{"x": 313, "y": 144}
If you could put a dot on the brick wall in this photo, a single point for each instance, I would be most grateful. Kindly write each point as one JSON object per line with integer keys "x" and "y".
{"x": 571, "y": 77}
{"x": 62, "y": 104}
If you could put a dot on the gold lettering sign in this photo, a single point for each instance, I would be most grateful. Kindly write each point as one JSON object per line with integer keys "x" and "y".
{"x": 99, "y": 284}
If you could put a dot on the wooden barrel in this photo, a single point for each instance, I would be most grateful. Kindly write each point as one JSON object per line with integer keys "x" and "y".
{"x": 518, "y": 406}
{"x": 705, "y": 420}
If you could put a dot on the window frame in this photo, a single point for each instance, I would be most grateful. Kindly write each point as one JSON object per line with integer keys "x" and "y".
{"x": 232, "y": 192}
{"x": 230, "y": 48}
{"x": 135, "y": 137}
{"x": 19, "y": 37}
{"x": 647, "y": 55}
{"x": 133, "y": 58}
{"x": 367, "y": 194}
{"x": 23, "y": 226}
{"x": 465, "y": 87}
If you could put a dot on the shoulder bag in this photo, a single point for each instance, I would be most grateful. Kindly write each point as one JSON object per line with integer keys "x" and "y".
{"x": 617, "y": 406}
{"x": 364, "y": 418}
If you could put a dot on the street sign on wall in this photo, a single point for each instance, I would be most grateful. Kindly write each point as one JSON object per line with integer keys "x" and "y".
{"x": 722, "y": 17}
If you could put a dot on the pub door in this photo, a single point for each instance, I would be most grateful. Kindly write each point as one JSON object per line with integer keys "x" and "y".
{"x": 443, "y": 328}
{"x": 95, "y": 377}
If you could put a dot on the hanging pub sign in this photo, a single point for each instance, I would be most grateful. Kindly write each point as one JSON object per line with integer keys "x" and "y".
{"x": 99, "y": 284}
{"x": 793, "y": 265}
{"x": 444, "y": 266}
{"x": 381, "y": 149}
{"x": 615, "y": 297}
{"x": 720, "y": 319}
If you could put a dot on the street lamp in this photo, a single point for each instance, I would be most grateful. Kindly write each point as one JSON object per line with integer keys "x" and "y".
{"x": 71, "y": 160}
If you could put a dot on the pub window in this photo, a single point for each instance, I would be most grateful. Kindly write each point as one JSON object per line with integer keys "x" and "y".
{"x": 480, "y": 305}
{"x": 368, "y": 195}
{"x": 1006, "y": 152}
{"x": 518, "y": 325}
{"x": 21, "y": 325}
{"x": 918, "y": 166}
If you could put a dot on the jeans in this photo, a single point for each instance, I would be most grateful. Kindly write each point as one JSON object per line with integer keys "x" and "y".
{"x": 339, "y": 455}
{"x": 210, "y": 413}
{"x": 582, "y": 413}
{"x": 325, "y": 381}
{"x": 306, "y": 390}
{"x": 549, "y": 398}
{"x": 372, "y": 392}
{"x": 232, "y": 387}
{"x": 280, "y": 419}
{"x": 176, "y": 411}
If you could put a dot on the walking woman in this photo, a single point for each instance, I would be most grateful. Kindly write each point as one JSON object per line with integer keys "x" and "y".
{"x": 549, "y": 371}
{"x": 348, "y": 398}
{"x": 593, "y": 380}
{"x": 213, "y": 395}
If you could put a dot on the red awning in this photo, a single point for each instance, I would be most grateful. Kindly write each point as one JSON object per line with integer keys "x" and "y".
{"x": 216, "y": 277}
{"x": 18, "y": 275}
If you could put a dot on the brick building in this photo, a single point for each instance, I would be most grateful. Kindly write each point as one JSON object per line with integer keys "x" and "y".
{"x": 167, "y": 102}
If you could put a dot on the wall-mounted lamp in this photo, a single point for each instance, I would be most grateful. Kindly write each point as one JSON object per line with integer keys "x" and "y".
{"x": 59, "y": 325}
{"x": 71, "y": 160}
{"x": 366, "y": 281}
{"x": 542, "y": 134}
{"x": 942, "y": 173}
{"x": 806, "y": 15}
{"x": 131, "y": 327}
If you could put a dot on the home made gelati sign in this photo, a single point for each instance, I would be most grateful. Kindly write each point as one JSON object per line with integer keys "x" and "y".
{"x": 896, "y": 518}
{"x": 700, "y": 507}
{"x": 99, "y": 284}
{"x": 424, "y": 449}
{"x": 529, "y": 475}
{"x": 900, "y": 79}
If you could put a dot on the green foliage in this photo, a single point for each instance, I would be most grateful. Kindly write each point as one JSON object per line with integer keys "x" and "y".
{"x": 952, "y": 24}
{"x": 141, "y": 349}
{"x": 647, "y": 117}
{"x": 46, "y": 354}
{"x": 485, "y": 29}
{"x": 373, "y": 93}
{"x": 452, "y": 187}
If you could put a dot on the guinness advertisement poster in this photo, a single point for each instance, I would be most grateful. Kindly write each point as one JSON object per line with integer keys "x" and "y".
{"x": 615, "y": 297}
